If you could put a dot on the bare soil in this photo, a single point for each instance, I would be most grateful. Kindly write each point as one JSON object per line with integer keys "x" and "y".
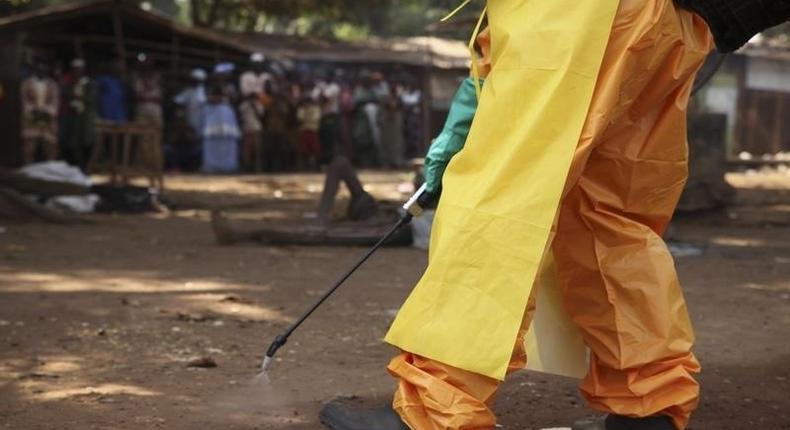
{"x": 99, "y": 322}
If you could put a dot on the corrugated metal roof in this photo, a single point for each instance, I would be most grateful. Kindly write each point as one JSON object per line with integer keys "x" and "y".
{"x": 776, "y": 48}
{"x": 414, "y": 51}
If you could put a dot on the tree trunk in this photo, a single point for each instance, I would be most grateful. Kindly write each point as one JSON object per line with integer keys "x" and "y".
{"x": 194, "y": 11}
{"x": 213, "y": 13}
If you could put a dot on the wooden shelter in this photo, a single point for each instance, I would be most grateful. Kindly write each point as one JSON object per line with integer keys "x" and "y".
{"x": 98, "y": 31}
{"x": 752, "y": 90}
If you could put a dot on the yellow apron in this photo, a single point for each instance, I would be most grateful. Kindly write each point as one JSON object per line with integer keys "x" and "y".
{"x": 501, "y": 192}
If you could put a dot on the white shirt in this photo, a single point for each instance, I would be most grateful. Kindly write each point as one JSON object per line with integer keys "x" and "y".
{"x": 252, "y": 83}
{"x": 331, "y": 92}
{"x": 40, "y": 94}
{"x": 251, "y": 113}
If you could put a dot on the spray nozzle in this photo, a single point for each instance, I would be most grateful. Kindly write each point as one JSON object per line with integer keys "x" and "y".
{"x": 278, "y": 342}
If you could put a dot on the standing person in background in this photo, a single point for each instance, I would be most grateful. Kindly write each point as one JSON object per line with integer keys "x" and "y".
{"x": 411, "y": 99}
{"x": 193, "y": 99}
{"x": 220, "y": 134}
{"x": 251, "y": 112}
{"x": 256, "y": 86}
{"x": 371, "y": 107}
{"x": 113, "y": 94}
{"x": 148, "y": 93}
{"x": 391, "y": 123}
{"x": 365, "y": 133}
{"x": 79, "y": 114}
{"x": 330, "y": 134}
{"x": 380, "y": 87}
{"x": 256, "y": 81}
{"x": 278, "y": 149}
{"x": 333, "y": 115}
{"x": 331, "y": 92}
{"x": 292, "y": 95}
{"x": 148, "y": 109}
{"x": 183, "y": 150}
{"x": 223, "y": 79}
{"x": 309, "y": 115}
{"x": 40, "y": 103}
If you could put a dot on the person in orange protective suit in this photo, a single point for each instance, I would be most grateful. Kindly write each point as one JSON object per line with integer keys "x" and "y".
{"x": 624, "y": 178}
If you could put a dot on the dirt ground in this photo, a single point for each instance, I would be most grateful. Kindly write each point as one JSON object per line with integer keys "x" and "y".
{"x": 99, "y": 321}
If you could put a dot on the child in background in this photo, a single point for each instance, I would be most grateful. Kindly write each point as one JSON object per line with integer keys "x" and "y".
{"x": 309, "y": 114}
{"x": 220, "y": 134}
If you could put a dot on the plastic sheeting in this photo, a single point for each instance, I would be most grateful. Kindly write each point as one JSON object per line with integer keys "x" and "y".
{"x": 61, "y": 171}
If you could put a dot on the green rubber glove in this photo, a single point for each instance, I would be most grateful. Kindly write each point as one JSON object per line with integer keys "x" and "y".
{"x": 453, "y": 136}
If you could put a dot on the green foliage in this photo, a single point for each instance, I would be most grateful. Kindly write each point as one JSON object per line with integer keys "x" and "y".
{"x": 344, "y": 19}
{"x": 10, "y": 7}
{"x": 327, "y": 18}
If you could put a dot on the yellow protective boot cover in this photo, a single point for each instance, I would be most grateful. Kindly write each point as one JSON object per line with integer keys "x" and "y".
{"x": 501, "y": 192}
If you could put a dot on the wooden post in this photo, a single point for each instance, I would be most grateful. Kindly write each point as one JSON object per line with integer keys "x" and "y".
{"x": 79, "y": 52}
{"x": 778, "y": 123}
{"x": 427, "y": 110}
{"x": 120, "y": 43}
{"x": 174, "y": 55}
{"x": 427, "y": 100}
{"x": 10, "y": 100}
{"x": 741, "y": 120}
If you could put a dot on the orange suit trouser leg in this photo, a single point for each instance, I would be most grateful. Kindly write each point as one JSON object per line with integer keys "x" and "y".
{"x": 617, "y": 276}
{"x": 435, "y": 396}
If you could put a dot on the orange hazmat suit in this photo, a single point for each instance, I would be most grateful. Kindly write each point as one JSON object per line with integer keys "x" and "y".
{"x": 578, "y": 148}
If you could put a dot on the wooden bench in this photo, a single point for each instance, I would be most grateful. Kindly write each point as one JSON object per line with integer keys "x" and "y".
{"x": 126, "y": 150}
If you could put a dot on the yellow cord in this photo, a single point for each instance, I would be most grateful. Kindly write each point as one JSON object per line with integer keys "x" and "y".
{"x": 455, "y": 11}
{"x": 473, "y": 53}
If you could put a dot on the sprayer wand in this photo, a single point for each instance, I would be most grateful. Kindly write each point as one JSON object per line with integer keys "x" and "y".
{"x": 412, "y": 208}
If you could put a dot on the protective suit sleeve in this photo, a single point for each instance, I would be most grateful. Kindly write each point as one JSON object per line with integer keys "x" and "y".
{"x": 453, "y": 136}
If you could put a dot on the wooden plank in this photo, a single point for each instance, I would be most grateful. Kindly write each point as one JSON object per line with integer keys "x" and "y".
{"x": 120, "y": 43}
{"x": 78, "y": 49}
{"x": 209, "y": 54}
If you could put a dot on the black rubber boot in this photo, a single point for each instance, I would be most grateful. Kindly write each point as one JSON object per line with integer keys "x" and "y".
{"x": 619, "y": 422}
{"x": 338, "y": 415}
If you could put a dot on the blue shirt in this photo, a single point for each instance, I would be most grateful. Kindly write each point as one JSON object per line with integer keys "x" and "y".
{"x": 112, "y": 98}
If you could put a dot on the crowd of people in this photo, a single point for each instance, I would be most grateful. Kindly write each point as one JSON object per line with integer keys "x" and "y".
{"x": 252, "y": 119}
{"x": 60, "y": 110}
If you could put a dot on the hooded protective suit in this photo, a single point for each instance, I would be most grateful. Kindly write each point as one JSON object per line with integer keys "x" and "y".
{"x": 577, "y": 148}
